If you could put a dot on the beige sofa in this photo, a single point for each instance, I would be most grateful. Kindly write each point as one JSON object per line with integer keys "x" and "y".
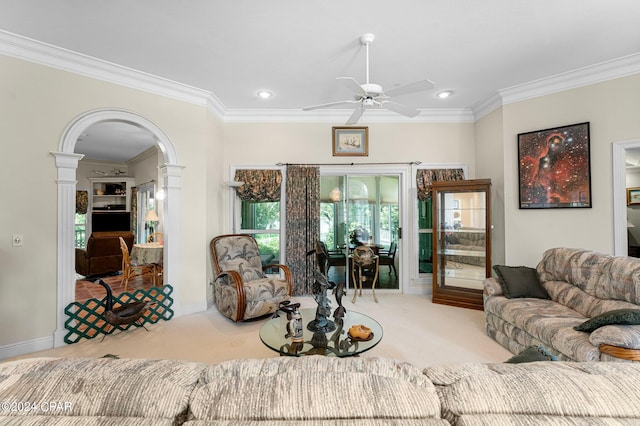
{"x": 581, "y": 285}
{"x": 315, "y": 390}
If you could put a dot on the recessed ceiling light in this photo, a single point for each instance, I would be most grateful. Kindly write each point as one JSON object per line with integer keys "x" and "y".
{"x": 444, "y": 94}
{"x": 264, "y": 94}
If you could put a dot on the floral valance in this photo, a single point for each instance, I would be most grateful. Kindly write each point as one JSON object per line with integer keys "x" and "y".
{"x": 259, "y": 185}
{"x": 425, "y": 177}
{"x": 82, "y": 202}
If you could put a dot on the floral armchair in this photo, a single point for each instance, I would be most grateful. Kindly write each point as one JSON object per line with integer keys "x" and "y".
{"x": 241, "y": 288}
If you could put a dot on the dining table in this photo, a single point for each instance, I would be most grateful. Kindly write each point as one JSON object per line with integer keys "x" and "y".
{"x": 149, "y": 254}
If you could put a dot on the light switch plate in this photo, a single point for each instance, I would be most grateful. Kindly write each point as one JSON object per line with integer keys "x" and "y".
{"x": 18, "y": 240}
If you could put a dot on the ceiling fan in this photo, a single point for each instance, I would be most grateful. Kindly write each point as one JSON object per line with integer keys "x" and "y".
{"x": 370, "y": 95}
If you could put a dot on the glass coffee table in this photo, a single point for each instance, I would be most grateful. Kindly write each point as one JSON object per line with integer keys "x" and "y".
{"x": 333, "y": 343}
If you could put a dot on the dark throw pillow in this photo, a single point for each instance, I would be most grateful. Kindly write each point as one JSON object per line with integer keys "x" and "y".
{"x": 451, "y": 239}
{"x": 617, "y": 317}
{"x": 532, "y": 354}
{"x": 520, "y": 281}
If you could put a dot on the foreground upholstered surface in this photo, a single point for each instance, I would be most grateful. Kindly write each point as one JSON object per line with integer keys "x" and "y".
{"x": 538, "y": 393}
{"x": 316, "y": 390}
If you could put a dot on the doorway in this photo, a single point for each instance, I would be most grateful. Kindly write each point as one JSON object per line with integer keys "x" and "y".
{"x": 363, "y": 209}
{"x": 67, "y": 163}
{"x": 622, "y": 152}
{"x": 620, "y": 230}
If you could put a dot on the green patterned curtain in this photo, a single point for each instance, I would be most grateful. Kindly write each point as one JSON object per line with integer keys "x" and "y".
{"x": 134, "y": 211}
{"x": 82, "y": 202}
{"x": 303, "y": 224}
{"x": 259, "y": 185}
{"x": 424, "y": 178}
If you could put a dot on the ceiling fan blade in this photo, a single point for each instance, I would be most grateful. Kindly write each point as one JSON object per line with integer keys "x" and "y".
{"x": 400, "y": 109}
{"x": 330, "y": 104}
{"x": 353, "y": 85}
{"x": 410, "y": 88}
{"x": 355, "y": 117}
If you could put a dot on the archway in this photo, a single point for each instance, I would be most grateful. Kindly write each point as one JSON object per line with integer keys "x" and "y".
{"x": 67, "y": 163}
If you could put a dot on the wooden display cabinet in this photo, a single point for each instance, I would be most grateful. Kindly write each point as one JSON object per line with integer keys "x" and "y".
{"x": 461, "y": 241}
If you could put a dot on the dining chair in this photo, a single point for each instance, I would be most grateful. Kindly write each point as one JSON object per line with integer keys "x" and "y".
{"x": 334, "y": 257}
{"x": 388, "y": 257}
{"x": 241, "y": 288}
{"x": 131, "y": 269}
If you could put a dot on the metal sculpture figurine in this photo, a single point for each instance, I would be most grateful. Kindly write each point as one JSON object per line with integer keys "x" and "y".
{"x": 339, "y": 291}
{"x": 126, "y": 313}
{"x": 294, "y": 326}
{"x": 287, "y": 307}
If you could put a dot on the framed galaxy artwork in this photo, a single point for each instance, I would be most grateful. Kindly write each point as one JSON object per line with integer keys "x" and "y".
{"x": 554, "y": 168}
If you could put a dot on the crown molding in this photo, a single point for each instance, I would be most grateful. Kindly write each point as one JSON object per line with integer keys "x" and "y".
{"x": 341, "y": 115}
{"x": 597, "y": 73}
{"x": 487, "y": 106}
{"x": 56, "y": 57}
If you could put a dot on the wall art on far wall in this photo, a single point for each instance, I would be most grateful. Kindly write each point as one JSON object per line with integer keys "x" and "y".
{"x": 554, "y": 168}
{"x": 633, "y": 196}
{"x": 351, "y": 141}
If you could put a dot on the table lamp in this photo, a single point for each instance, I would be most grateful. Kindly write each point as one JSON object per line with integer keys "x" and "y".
{"x": 151, "y": 217}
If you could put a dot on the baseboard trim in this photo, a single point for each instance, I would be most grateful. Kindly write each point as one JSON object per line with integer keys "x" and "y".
{"x": 26, "y": 347}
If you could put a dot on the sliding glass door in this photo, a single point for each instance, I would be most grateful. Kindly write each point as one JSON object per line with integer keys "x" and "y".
{"x": 362, "y": 209}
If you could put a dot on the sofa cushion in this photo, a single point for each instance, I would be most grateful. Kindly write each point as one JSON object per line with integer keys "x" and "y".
{"x": 616, "y": 317}
{"x": 104, "y": 387}
{"x": 532, "y": 354}
{"x": 599, "y": 275}
{"x": 546, "y": 322}
{"x": 277, "y": 389}
{"x": 586, "y": 391}
{"x": 520, "y": 281}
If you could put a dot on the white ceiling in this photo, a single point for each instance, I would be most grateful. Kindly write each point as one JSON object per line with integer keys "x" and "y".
{"x": 296, "y": 49}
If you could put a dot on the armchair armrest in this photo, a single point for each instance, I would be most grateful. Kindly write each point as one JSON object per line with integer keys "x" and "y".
{"x": 235, "y": 277}
{"x": 238, "y": 282}
{"x": 287, "y": 273}
{"x": 492, "y": 287}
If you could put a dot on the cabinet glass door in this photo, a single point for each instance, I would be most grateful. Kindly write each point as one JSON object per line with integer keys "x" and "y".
{"x": 461, "y": 243}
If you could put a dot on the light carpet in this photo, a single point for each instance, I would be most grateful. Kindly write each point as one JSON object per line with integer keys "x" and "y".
{"x": 415, "y": 330}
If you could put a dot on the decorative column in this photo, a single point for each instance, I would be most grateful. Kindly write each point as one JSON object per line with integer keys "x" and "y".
{"x": 67, "y": 164}
{"x": 171, "y": 176}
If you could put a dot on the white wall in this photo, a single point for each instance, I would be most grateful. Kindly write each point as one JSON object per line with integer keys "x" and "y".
{"x": 612, "y": 108}
{"x": 490, "y": 163}
{"x": 37, "y": 103}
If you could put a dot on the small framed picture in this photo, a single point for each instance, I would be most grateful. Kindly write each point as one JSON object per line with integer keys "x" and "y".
{"x": 633, "y": 196}
{"x": 350, "y": 141}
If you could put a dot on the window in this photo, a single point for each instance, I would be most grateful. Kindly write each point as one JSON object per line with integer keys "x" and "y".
{"x": 146, "y": 202}
{"x": 259, "y": 212}
{"x": 425, "y": 236}
{"x": 424, "y": 175}
{"x": 80, "y": 227}
{"x": 262, "y": 220}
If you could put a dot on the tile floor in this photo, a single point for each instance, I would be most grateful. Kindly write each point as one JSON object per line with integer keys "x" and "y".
{"x": 86, "y": 290}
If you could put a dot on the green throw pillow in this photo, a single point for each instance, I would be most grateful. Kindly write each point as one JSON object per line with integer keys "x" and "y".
{"x": 520, "y": 281}
{"x": 617, "y": 317}
{"x": 532, "y": 354}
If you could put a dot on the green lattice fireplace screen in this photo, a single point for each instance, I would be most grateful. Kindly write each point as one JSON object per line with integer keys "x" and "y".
{"x": 85, "y": 320}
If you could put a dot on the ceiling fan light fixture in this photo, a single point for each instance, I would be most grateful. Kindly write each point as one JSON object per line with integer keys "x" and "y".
{"x": 444, "y": 94}
{"x": 264, "y": 94}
